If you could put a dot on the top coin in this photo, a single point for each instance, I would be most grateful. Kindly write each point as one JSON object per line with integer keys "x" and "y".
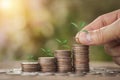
{"x": 29, "y": 63}
{"x": 79, "y": 45}
{"x": 46, "y": 59}
{"x": 62, "y": 53}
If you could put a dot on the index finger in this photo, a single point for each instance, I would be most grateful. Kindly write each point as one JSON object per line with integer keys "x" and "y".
{"x": 103, "y": 20}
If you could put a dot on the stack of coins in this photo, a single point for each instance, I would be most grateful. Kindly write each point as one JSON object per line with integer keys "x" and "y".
{"x": 48, "y": 64}
{"x": 80, "y": 58}
{"x": 63, "y": 60}
{"x": 30, "y": 66}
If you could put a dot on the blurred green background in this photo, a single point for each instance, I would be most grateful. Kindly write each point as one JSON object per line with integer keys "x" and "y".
{"x": 26, "y": 26}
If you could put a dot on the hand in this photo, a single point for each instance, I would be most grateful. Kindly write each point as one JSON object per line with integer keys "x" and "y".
{"x": 104, "y": 30}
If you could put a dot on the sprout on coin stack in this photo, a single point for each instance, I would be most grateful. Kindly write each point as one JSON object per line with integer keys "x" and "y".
{"x": 31, "y": 65}
{"x": 64, "y": 60}
{"x": 63, "y": 44}
{"x": 48, "y": 52}
{"x": 80, "y": 54}
{"x": 48, "y": 64}
{"x": 82, "y": 24}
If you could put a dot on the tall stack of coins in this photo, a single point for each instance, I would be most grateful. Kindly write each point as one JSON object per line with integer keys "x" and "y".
{"x": 63, "y": 60}
{"x": 80, "y": 57}
{"x": 30, "y": 66}
{"x": 48, "y": 64}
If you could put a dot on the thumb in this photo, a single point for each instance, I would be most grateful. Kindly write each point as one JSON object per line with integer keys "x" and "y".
{"x": 102, "y": 35}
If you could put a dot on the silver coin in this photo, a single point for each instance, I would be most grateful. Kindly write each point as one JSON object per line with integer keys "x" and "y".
{"x": 15, "y": 71}
{"x": 3, "y": 71}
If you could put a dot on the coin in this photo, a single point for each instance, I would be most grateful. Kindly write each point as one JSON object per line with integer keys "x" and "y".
{"x": 62, "y": 53}
{"x": 80, "y": 52}
{"x": 3, "y": 71}
{"x": 29, "y": 73}
{"x": 82, "y": 65}
{"x": 81, "y": 57}
{"x": 48, "y": 66}
{"x": 30, "y": 66}
{"x": 48, "y": 69}
{"x": 64, "y": 63}
{"x": 67, "y": 60}
{"x": 64, "y": 69}
{"x": 79, "y": 45}
{"x": 48, "y": 60}
{"x": 78, "y": 61}
{"x": 85, "y": 69}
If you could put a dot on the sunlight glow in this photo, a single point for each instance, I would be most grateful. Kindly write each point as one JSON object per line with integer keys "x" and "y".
{"x": 5, "y": 4}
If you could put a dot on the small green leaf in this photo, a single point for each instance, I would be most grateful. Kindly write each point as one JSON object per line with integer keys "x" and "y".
{"x": 59, "y": 41}
{"x": 30, "y": 57}
{"x": 75, "y": 25}
{"x": 85, "y": 31}
{"x": 48, "y": 50}
{"x": 65, "y": 42}
{"x": 82, "y": 24}
{"x": 50, "y": 54}
{"x": 43, "y": 50}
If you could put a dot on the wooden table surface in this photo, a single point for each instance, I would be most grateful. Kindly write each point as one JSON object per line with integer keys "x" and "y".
{"x": 15, "y": 64}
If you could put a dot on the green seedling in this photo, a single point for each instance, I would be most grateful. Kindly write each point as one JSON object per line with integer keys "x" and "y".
{"x": 79, "y": 27}
{"x": 85, "y": 31}
{"x": 30, "y": 58}
{"x": 82, "y": 24}
{"x": 47, "y": 51}
{"x": 62, "y": 43}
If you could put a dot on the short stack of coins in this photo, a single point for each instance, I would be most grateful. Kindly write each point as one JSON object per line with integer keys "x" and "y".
{"x": 80, "y": 58}
{"x": 48, "y": 64}
{"x": 64, "y": 60}
{"x": 30, "y": 66}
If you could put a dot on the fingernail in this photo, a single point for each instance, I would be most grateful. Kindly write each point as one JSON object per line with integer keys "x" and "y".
{"x": 85, "y": 37}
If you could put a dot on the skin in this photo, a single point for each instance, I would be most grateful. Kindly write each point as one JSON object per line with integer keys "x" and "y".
{"x": 104, "y": 30}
